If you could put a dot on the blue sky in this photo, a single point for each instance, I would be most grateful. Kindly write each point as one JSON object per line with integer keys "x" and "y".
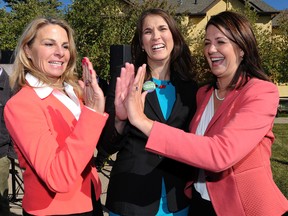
{"x": 277, "y": 4}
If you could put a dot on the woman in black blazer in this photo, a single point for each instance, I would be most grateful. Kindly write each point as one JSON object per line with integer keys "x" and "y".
{"x": 143, "y": 183}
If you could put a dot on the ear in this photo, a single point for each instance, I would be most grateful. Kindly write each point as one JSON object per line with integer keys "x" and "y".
{"x": 242, "y": 53}
{"x": 27, "y": 51}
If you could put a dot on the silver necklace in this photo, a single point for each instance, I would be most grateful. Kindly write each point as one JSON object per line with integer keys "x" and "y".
{"x": 217, "y": 96}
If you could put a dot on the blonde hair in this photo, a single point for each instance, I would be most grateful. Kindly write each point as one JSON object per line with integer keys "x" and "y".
{"x": 23, "y": 65}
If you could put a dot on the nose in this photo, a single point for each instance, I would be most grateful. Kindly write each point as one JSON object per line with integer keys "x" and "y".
{"x": 211, "y": 48}
{"x": 59, "y": 51}
{"x": 156, "y": 35}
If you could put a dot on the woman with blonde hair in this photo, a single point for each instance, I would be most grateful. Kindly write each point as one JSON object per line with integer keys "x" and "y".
{"x": 50, "y": 119}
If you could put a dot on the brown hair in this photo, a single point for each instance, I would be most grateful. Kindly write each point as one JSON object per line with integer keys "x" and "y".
{"x": 241, "y": 34}
{"x": 181, "y": 63}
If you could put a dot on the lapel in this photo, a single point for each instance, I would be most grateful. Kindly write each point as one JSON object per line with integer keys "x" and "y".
{"x": 230, "y": 98}
{"x": 153, "y": 105}
{"x": 200, "y": 109}
{"x": 227, "y": 103}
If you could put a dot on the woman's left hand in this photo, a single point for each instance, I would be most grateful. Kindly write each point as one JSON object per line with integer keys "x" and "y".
{"x": 134, "y": 102}
{"x": 92, "y": 94}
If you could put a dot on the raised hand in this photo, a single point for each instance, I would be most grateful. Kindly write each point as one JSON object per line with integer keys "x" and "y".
{"x": 134, "y": 103}
{"x": 121, "y": 90}
{"x": 93, "y": 96}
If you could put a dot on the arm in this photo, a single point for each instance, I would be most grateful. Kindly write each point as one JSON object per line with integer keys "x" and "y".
{"x": 52, "y": 142}
{"x": 230, "y": 138}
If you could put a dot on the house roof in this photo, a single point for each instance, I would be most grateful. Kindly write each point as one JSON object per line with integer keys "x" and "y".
{"x": 200, "y": 7}
{"x": 279, "y": 17}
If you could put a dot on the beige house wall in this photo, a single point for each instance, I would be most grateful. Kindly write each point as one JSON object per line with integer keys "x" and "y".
{"x": 199, "y": 23}
{"x": 283, "y": 90}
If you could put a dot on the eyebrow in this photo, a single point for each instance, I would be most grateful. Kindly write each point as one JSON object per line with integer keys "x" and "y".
{"x": 224, "y": 37}
{"x": 164, "y": 25}
{"x": 50, "y": 39}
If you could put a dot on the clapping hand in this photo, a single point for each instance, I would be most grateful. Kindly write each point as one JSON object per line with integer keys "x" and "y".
{"x": 93, "y": 96}
{"x": 121, "y": 90}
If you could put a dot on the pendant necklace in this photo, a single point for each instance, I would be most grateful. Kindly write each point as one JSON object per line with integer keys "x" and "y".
{"x": 217, "y": 96}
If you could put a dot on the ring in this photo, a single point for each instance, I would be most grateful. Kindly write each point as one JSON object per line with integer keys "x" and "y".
{"x": 87, "y": 82}
{"x": 136, "y": 88}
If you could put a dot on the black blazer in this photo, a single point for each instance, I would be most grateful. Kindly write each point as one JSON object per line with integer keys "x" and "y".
{"x": 136, "y": 177}
{"x": 5, "y": 94}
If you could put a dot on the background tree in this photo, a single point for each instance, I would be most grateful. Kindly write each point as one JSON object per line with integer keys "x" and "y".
{"x": 99, "y": 24}
{"x": 22, "y": 12}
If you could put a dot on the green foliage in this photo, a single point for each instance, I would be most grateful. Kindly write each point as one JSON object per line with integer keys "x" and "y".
{"x": 22, "y": 12}
{"x": 99, "y": 24}
{"x": 279, "y": 160}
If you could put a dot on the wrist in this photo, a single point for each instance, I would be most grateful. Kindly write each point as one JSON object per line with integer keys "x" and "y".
{"x": 144, "y": 125}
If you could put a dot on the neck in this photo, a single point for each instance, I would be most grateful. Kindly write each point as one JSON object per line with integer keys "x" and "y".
{"x": 161, "y": 72}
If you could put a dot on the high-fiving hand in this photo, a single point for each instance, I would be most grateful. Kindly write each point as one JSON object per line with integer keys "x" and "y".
{"x": 93, "y": 96}
{"x": 129, "y": 99}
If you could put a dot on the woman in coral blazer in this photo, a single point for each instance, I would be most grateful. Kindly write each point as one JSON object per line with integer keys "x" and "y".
{"x": 54, "y": 134}
{"x": 231, "y": 133}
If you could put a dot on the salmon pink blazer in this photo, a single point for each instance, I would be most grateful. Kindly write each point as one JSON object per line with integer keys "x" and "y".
{"x": 54, "y": 151}
{"x": 235, "y": 151}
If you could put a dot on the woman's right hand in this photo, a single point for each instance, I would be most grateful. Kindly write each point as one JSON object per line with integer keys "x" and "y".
{"x": 93, "y": 96}
{"x": 121, "y": 90}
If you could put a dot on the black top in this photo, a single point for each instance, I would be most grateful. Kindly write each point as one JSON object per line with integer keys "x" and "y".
{"x": 5, "y": 94}
{"x": 136, "y": 177}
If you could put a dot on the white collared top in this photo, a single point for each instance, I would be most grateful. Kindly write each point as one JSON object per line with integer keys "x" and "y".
{"x": 43, "y": 91}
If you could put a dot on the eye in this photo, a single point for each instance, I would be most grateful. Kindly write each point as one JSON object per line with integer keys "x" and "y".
{"x": 147, "y": 32}
{"x": 206, "y": 43}
{"x": 66, "y": 46}
{"x": 48, "y": 44}
{"x": 164, "y": 28}
{"x": 221, "y": 42}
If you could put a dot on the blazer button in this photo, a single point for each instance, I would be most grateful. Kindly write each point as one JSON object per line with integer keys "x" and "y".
{"x": 160, "y": 157}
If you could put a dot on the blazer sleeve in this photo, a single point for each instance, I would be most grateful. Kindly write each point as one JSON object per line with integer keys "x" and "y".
{"x": 58, "y": 157}
{"x": 246, "y": 124}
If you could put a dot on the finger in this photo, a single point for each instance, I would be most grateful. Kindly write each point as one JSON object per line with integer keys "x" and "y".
{"x": 85, "y": 70}
{"x": 129, "y": 73}
{"x": 140, "y": 76}
{"x": 117, "y": 90}
{"x": 123, "y": 82}
{"x": 91, "y": 75}
{"x": 81, "y": 83}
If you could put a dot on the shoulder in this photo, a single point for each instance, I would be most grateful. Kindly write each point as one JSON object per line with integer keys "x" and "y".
{"x": 187, "y": 85}
{"x": 256, "y": 86}
{"x": 24, "y": 95}
{"x": 203, "y": 89}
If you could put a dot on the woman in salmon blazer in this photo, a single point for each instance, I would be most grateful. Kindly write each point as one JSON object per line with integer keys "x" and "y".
{"x": 230, "y": 137}
{"x": 54, "y": 133}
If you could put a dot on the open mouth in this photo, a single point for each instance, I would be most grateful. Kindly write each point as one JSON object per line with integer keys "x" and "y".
{"x": 214, "y": 60}
{"x": 56, "y": 63}
{"x": 158, "y": 46}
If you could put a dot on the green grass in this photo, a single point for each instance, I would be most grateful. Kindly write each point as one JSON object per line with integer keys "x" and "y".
{"x": 279, "y": 158}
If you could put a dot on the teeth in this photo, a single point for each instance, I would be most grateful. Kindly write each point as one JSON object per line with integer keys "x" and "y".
{"x": 158, "y": 46}
{"x": 216, "y": 59}
{"x": 56, "y": 63}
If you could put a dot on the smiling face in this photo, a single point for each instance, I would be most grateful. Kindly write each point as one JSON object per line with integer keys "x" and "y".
{"x": 222, "y": 54}
{"x": 49, "y": 51}
{"x": 157, "y": 39}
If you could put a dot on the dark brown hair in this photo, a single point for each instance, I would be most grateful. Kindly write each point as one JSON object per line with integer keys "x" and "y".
{"x": 181, "y": 63}
{"x": 241, "y": 33}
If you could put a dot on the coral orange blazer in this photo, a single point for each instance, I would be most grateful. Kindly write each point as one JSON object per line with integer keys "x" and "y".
{"x": 235, "y": 151}
{"x": 54, "y": 150}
